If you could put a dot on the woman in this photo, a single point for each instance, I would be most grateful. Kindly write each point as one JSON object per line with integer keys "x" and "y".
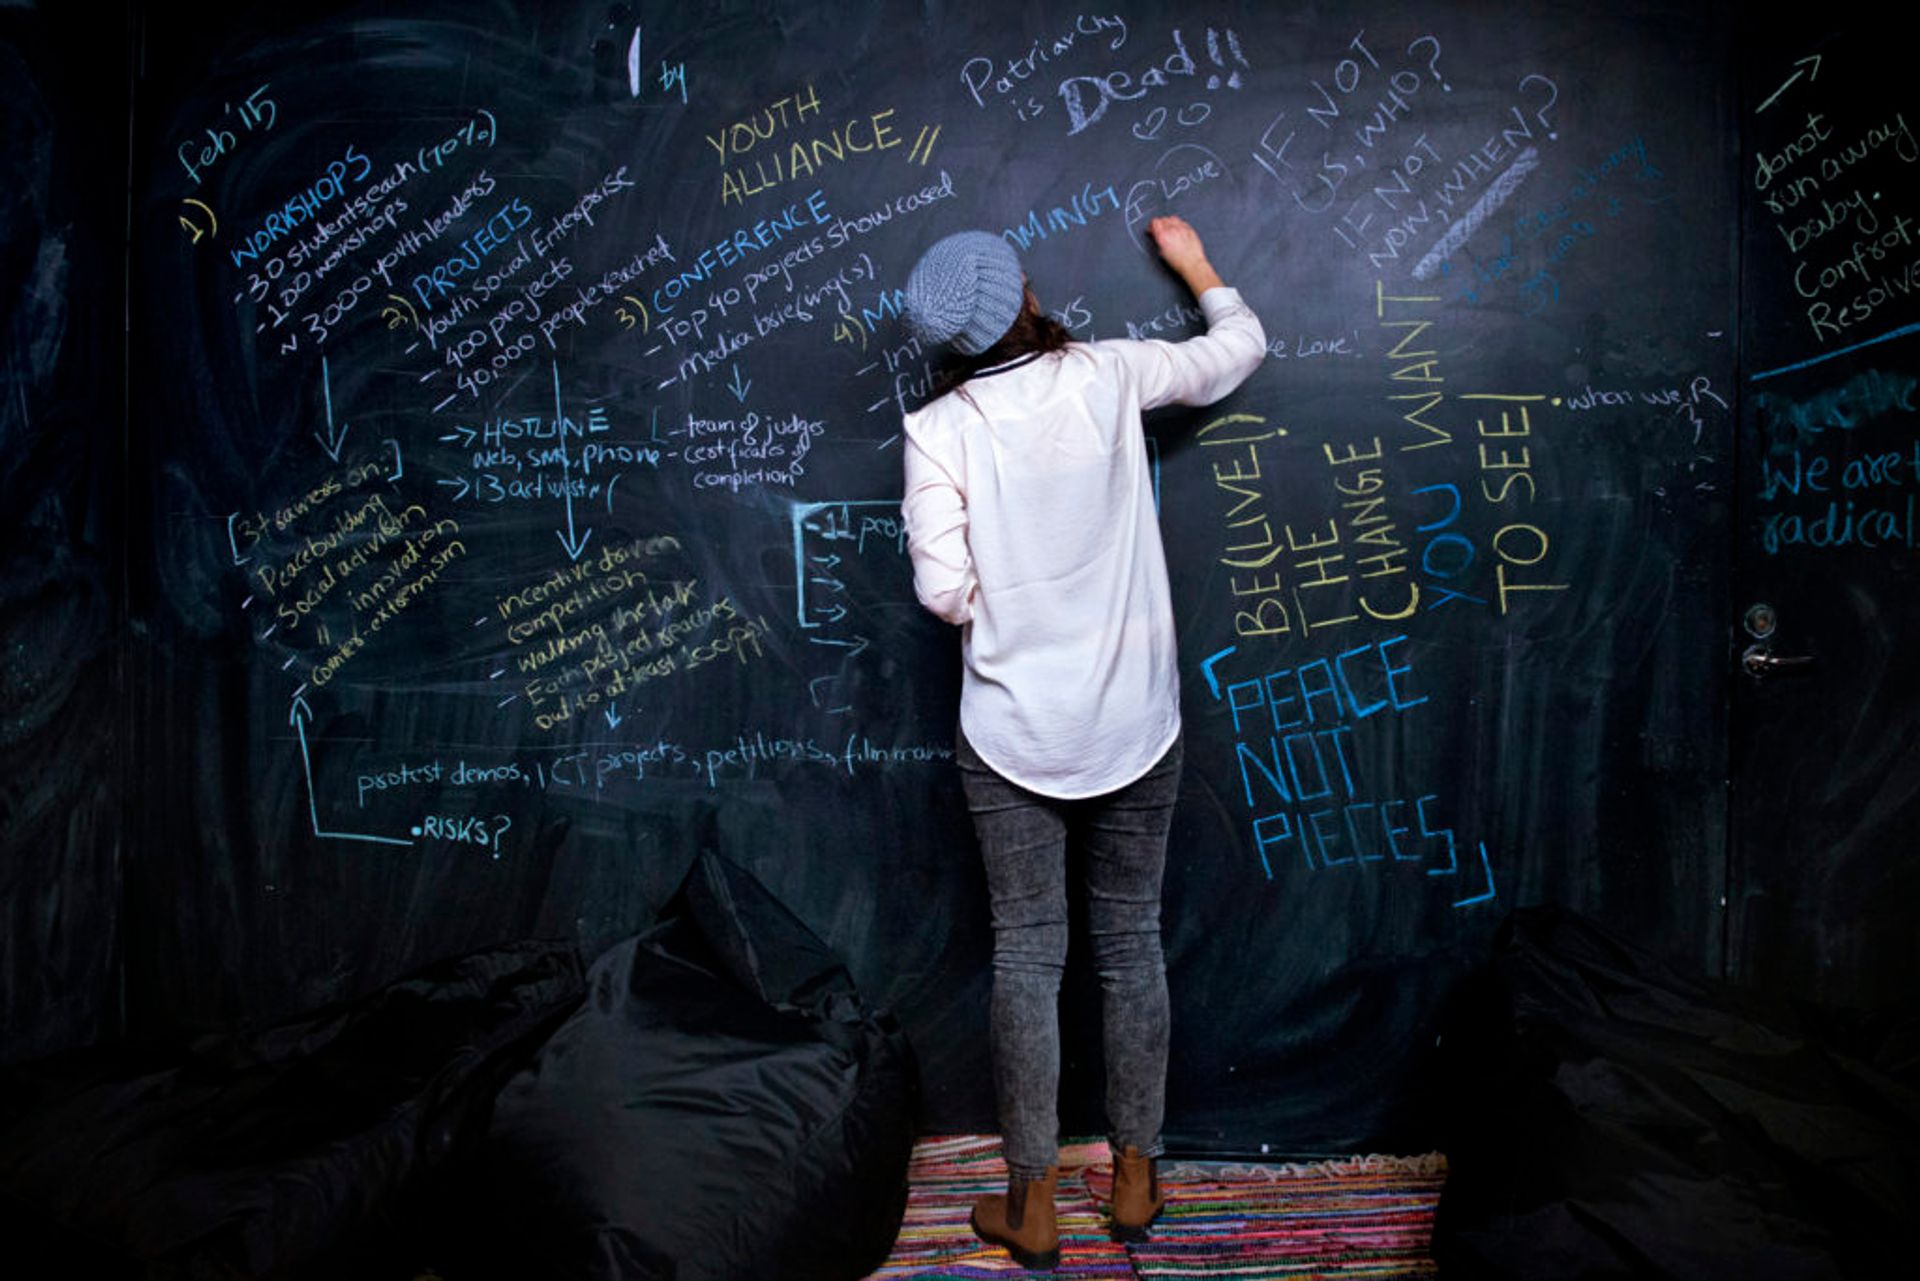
{"x": 1030, "y": 518}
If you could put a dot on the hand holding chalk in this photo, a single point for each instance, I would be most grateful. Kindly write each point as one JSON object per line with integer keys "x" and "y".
{"x": 1180, "y": 247}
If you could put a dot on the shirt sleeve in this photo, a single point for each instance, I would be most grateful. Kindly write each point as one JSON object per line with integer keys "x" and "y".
{"x": 935, "y": 508}
{"x": 1202, "y": 369}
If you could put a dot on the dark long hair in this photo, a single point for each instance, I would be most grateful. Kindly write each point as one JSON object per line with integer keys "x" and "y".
{"x": 1034, "y": 333}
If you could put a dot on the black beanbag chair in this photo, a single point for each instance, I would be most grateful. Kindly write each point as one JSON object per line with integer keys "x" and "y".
{"x": 721, "y": 1106}
{"x": 294, "y": 1152}
{"x": 1608, "y": 1118}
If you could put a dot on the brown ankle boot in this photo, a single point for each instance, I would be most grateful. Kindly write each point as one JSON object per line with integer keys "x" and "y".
{"x": 1022, "y": 1220}
{"x": 1137, "y": 1198}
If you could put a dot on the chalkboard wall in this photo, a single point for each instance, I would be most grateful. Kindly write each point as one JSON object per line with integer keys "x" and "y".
{"x": 63, "y": 543}
{"x": 511, "y": 481}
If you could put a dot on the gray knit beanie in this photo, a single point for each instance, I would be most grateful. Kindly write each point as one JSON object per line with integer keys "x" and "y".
{"x": 967, "y": 290}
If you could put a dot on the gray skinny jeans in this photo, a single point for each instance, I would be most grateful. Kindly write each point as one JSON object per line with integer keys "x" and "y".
{"x": 1023, "y": 841}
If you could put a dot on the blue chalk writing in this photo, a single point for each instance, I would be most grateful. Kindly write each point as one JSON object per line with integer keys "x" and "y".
{"x": 737, "y": 245}
{"x": 304, "y": 205}
{"x": 1084, "y": 205}
{"x": 853, "y": 527}
{"x": 1299, "y": 776}
{"x": 1861, "y": 399}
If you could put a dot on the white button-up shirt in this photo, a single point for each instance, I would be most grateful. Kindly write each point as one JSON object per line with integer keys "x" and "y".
{"x": 1030, "y": 521}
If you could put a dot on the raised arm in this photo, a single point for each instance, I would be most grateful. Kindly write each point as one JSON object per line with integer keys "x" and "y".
{"x": 1200, "y": 370}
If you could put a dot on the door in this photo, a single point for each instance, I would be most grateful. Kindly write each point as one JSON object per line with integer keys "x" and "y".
{"x": 1826, "y": 703}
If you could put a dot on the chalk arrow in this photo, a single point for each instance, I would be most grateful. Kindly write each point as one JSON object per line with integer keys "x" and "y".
{"x": 854, "y": 647}
{"x": 298, "y": 717}
{"x": 825, "y": 562}
{"x": 574, "y": 544}
{"x": 835, "y": 615}
{"x": 613, "y": 716}
{"x": 464, "y": 487}
{"x": 332, "y": 441}
{"x": 464, "y": 435}
{"x": 737, "y": 387}
{"x": 1812, "y": 73}
{"x": 832, "y": 584}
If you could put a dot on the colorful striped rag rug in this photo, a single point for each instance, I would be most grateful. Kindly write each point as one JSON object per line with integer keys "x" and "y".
{"x": 1363, "y": 1217}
